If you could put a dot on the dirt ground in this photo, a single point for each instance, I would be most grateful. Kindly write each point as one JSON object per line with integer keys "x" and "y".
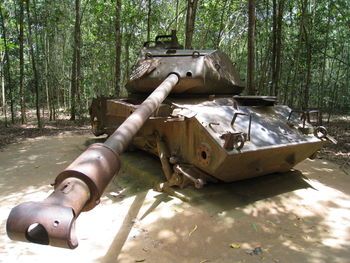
{"x": 299, "y": 216}
{"x": 339, "y": 128}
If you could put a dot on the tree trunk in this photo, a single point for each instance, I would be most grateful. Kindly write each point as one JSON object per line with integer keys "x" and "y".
{"x": 65, "y": 99}
{"x": 47, "y": 77}
{"x": 75, "y": 61}
{"x": 78, "y": 89}
{"x": 297, "y": 63}
{"x": 321, "y": 81}
{"x": 190, "y": 20}
{"x": 308, "y": 44}
{"x": 127, "y": 54}
{"x": 3, "y": 88}
{"x": 177, "y": 15}
{"x": 333, "y": 87}
{"x": 333, "y": 94}
{"x": 118, "y": 47}
{"x": 35, "y": 72}
{"x": 277, "y": 47}
{"x": 251, "y": 48}
{"x": 274, "y": 37}
{"x": 21, "y": 63}
{"x": 308, "y": 74}
{"x": 7, "y": 67}
{"x": 148, "y": 20}
{"x": 265, "y": 66}
{"x": 221, "y": 29}
{"x": 53, "y": 85}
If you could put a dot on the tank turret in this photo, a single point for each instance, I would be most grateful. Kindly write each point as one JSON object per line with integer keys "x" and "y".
{"x": 200, "y": 71}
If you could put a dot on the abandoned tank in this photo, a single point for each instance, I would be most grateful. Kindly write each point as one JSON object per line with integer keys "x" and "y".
{"x": 204, "y": 130}
{"x": 185, "y": 107}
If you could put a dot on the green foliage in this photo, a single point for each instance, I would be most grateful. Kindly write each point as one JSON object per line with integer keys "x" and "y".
{"x": 219, "y": 24}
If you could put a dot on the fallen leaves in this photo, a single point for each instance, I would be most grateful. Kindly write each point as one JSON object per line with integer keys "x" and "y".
{"x": 235, "y": 245}
{"x": 193, "y": 230}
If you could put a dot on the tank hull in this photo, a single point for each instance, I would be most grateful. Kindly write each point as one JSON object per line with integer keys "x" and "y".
{"x": 195, "y": 134}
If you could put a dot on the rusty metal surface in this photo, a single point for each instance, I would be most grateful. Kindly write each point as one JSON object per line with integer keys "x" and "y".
{"x": 200, "y": 72}
{"x": 236, "y": 167}
{"x": 199, "y": 132}
{"x": 95, "y": 167}
{"x": 71, "y": 192}
{"x": 42, "y": 223}
{"x": 269, "y": 125}
{"x": 122, "y": 137}
{"x": 50, "y": 222}
{"x": 80, "y": 186}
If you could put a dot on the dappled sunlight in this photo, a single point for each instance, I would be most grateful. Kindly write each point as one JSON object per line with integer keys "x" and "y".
{"x": 27, "y": 169}
{"x": 303, "y": 219}
{"x": 150, "y": 216}
{"x": 299, "y": 215}
{"x": 324, "y": 169}
{"x": 333, "y": 206}
{"x": 32, "y": 157}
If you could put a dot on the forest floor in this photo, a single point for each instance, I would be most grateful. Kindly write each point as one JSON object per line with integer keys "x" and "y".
{"x": 18, "y": 132}
{"x": 338, "y": 128}
{"x": 298, "y": 216}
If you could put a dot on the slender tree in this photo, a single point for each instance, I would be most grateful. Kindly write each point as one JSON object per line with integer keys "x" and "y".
{"x": 118, "y": 46}
{"x": 293, "y": 49}
{"x": 308, "y": 43}
{"x": 149, "y": 20}
{"x": 21, "y": 61}
{"x": 297, "y": 62}
{"x": 177, "y": 15}
{"x": 251, "y": 48}
{"x": 321, "y": 81}
{"x": 34, "y": 65}
{"x": 75, "y": 77}
{"x": 7, "y": 67}
{"x": 190, "y": 20}
{"x": 3, "y": 94}
{"x": 276, "y": 45}
{"x": 222, "y": 27}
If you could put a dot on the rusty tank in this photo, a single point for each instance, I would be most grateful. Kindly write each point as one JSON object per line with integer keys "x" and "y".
{"x": 204, "y": 130}
{"x": 185, "y": 107}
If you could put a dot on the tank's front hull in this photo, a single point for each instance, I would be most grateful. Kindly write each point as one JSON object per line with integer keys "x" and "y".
{"x": 194, "y": 134}
{"x": 251, "y": 164}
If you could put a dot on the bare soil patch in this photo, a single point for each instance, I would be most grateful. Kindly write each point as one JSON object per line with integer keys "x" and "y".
{"x": 18, "y": 132}
{"x": 298, "y": 216}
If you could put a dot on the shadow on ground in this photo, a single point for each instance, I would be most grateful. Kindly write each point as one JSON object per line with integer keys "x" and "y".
{"x": 298, "y": 216}
{"x": 261, "y": 212}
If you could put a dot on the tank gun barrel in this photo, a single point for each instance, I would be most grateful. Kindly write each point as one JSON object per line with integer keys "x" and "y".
{"x": 121, "y": 138}
{"x": 79, "y": 187}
